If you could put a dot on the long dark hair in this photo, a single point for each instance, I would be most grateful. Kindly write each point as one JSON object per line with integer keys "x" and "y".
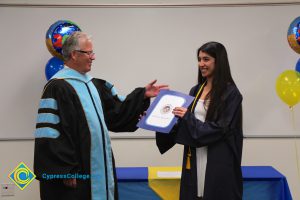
{"x": 221, "y": 77}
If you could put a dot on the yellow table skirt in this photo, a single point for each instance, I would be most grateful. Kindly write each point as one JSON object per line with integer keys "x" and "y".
{"x": 165, "y": 181}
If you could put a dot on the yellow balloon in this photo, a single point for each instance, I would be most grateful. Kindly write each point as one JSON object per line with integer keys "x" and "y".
{"x": 288, "y": 87}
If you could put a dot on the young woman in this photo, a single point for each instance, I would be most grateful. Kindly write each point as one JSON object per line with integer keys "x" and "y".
{"x": 211, "y": 132}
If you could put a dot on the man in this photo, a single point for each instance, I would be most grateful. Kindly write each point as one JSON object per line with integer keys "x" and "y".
{"x": 73, "y": 157}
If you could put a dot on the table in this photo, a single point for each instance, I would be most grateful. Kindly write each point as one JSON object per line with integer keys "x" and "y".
{"x": 133, "y": 184}
{"x": 264, "y": 182}
{"x": 260, "y": 183}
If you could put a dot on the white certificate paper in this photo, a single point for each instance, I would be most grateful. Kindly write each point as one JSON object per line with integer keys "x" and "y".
{"x": 159, "y": 115}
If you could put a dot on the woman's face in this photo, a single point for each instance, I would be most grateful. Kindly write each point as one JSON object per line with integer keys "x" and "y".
{"x": 206, "y": 64}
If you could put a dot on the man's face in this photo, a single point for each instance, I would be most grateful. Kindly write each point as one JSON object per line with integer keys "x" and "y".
{"x": 85, "y": 56}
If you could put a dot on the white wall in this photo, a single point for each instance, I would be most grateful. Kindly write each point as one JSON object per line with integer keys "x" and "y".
{"x": 279, "y": 153}
{"x": 153, "y": 43}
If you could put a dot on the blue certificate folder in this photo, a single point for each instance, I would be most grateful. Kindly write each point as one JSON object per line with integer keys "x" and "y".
{"x": 159, "y": 116}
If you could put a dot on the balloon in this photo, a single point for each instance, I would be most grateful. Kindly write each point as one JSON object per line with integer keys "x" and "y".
{"x": 298, "y": 66}
{"x": 288, "y": 87}
{"x": 57, "y": 34}
{"x": 53, "y": 66}
{"x": 293, "y": 35}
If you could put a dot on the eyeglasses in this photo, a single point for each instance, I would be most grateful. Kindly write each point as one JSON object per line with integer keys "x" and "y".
{"x": 89, "y": 53}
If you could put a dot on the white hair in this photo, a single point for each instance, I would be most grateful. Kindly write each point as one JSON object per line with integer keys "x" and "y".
{"x": 73, "y": 43}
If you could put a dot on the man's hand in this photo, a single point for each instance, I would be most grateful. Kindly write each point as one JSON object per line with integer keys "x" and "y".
{"x": 72, "y": 183}
{"x": 152, "y": 90}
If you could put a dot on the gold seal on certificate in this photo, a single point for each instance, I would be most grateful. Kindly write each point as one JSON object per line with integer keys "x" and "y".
{"x": 166, "y": 109}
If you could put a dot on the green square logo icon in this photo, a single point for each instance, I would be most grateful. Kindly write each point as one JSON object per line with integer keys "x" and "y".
{"x": 22, "y": 176}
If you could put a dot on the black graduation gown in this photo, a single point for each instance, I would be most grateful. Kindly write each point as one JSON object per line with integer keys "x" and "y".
{"x": 224, "y": 141}
{"x": 70, "y": 152}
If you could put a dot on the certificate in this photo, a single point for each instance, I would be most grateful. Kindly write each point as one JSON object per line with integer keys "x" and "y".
{"x": 159, "y": 115}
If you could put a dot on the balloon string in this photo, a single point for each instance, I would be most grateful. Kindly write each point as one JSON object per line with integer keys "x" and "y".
{"x": 297, "y": 159}
{"x": 293, "y": 117}
{"x": 295, "y": 141}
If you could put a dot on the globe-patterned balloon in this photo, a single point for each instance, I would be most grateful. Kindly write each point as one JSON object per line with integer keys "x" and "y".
{"x": 57, "y": 34}
{"x": 293, "y": 35}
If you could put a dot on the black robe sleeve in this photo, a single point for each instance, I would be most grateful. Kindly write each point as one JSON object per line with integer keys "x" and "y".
{"x": 164, "y": 141}
{"x": 58, "y": 155}
{"x": 121, "y": 116}
{"x": 196, "y": 133}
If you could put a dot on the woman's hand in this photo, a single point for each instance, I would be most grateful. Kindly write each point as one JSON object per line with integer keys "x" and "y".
{"x": 179, "y": 111}
{"x": 142, "y": 115}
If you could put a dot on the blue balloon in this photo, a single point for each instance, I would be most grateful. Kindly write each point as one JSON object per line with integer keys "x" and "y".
{"x": 53, "y": 65}
{"x": 298, "y": 66}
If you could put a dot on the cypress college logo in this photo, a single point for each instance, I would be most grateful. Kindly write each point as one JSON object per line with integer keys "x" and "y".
{"x": 22, "y": 176}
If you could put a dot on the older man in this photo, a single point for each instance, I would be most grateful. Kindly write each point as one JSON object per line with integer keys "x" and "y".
{"x": 73, "y": 156}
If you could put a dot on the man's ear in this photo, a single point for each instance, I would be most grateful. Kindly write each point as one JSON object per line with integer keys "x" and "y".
{"x": 73, "y": 57}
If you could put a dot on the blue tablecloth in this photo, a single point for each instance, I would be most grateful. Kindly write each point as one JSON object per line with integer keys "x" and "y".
{"x": 133, "y": 184}
{"x": 263, "y": 183}
{"x": 260, "y": 183}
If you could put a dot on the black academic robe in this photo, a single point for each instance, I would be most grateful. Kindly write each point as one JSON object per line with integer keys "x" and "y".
{"x": 224, "y": 140}
{"x": 70, "y": 152}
